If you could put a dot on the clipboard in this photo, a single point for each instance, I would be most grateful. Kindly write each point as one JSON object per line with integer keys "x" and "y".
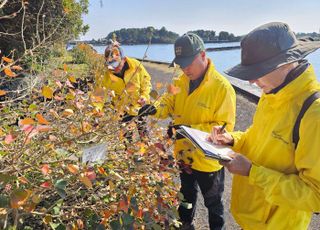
{"x": 199, "y": 139}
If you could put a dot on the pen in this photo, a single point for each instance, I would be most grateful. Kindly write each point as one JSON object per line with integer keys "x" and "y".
{"x": 222, "y": 127}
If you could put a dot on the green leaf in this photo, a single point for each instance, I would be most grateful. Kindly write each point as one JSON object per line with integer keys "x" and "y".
{"x": 5, "y": 178}
{"x": 57, "y": 226}
{"x": 115, "y": 225}
{"x": 3, "y": 153}
{"x": 32, "y": 107}
{"x": 4, "y": 201}
{"x": 134, "y": 204}
{"x": 61, "y": 227}
{"x": 61, "y": 184}
{"x": 100, "y": 227}
{"x": 156, "y": 226}
{"x": 127, "y": 219}
{"x": 56, "y": 209}
{"x": 62, "y": 193}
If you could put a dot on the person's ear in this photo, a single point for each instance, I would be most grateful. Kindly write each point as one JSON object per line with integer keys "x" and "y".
{"x": 203, "y": 55}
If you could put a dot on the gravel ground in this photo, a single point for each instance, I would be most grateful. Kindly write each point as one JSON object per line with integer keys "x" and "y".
{"x": 245, "y": 110}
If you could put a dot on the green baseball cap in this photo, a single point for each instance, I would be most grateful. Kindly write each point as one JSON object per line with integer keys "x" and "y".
{"x": 186, "y": 48}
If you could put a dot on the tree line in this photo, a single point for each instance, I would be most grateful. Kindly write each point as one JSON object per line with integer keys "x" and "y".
{"x": 131, "y": 36}
{"x": 161, "y": 36}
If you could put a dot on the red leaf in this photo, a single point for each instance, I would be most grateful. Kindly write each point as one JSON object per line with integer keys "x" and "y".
{"x": 123, "y": 205}
{"x": 91, "y": 175}
{"x": 9, "y": 139}
{"x": 46, "y": 184}
{"x": 45, "y": 169}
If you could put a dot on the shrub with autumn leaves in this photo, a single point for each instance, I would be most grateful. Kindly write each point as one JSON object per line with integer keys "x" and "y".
{"x": 44, "y": 183}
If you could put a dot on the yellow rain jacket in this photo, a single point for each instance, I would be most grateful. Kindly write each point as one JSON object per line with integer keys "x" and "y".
{"x": 135, "y": 84}
{"x": 212, "y": 103}
{"x": 283, "y": 188}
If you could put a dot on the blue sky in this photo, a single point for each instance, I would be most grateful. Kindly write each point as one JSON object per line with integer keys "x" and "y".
{"x": 236, "y": 16}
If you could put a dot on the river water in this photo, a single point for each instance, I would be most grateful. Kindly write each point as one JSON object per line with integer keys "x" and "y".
{"x": 222, "y": 59}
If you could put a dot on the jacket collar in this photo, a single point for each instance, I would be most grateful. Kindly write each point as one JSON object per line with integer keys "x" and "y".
{"x": 293, "y": 74}
{"x": 304, "y": 82}
{"x": 207, "y": 76}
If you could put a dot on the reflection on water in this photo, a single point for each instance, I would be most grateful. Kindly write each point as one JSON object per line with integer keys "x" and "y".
{"x": 222, "y": 59}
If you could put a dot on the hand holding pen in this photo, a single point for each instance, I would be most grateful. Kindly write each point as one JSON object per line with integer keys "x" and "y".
{"x": 222, "y": 128}
{"x": 220, "y": 136}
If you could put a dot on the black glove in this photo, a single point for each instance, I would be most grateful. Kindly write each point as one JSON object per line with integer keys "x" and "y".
{"x": 170, "y": 132}
{"x": 147, "y": 110}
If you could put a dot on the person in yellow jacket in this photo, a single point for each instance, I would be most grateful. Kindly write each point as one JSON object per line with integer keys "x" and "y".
{"x": 277, "y": 180}
{"x": 129, "y": 81}
{"x": 205, "y": 98}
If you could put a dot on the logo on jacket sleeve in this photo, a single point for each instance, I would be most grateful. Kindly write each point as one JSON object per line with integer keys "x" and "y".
{"x": 203, "y": 105}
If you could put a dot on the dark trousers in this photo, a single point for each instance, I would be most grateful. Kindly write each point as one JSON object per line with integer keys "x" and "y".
{"x": 211, "y": 186}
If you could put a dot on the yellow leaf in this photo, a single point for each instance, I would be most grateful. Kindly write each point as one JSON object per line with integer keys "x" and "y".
{"x": 3, "y": 211}
{"x": 16, "y": 67}
{"x": 27, "y": 121}
{"x": 47, "y": 92}
{"x": 9, "y": 73}
{"x": 73, "y": 79}
{"x": 23, "y": 180}
{"x": 74, "y": 169}
{"x": 111, "y": 185}
{"x": 19, "y": 197}
{"x": 42, "y": 120}
{"x": 66, "y": 10}
{"x": 98, "y": 95}
{"x": 86, "y": 127}
{"x": 54, "y": 113}
{"x": 173, "y": 89}
{"x": 65, "y": 67}
{"x": 67, "y": 112}
{"x": 159, "y": 85}
{"x": 47, "y": 219}
{"x": 85, "y": 180}
{"x": 6, "y": 59}
{"x": 2, "y": 92}
{"x": 70, "y": 96}
{"x": 154, "y": 94}
{"x": 130, "y": 87}
{"x": 36, "y": 199}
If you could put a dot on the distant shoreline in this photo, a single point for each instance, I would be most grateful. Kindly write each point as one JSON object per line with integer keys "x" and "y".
{"x": 132, "y": 44}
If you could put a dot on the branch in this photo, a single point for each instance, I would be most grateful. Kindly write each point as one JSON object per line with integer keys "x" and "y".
{"x": 3, "y": 3}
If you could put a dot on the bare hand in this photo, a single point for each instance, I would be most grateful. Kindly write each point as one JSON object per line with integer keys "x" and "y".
{"x": 220, "y": 137}
{"x": 238, "y": 165}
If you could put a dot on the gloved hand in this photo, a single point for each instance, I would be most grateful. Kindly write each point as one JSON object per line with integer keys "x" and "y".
{"x": 174, "y": 134}
{"x": 147, "y": 110}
